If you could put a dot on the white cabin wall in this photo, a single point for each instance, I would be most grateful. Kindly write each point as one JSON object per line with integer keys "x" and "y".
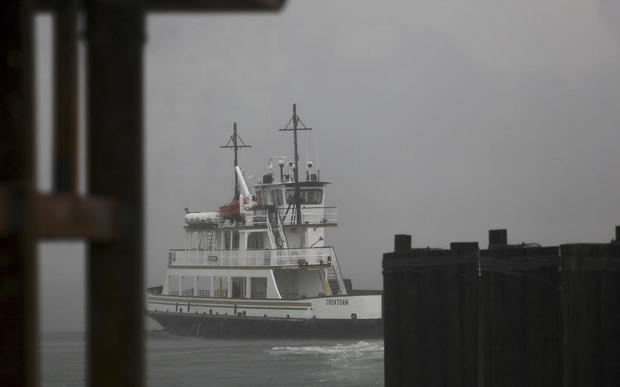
{"x": 204, "y": 285}
{"x": 173, "y": 283}
{"x": 288, "y": 283}
{"x": 188, "y": 277}
{"x": 310, "y": 283}
{"x": 294, "y": 237}
{"x": 243, "y": 240}
{"x": 314, "y": 235}
{"x": 186, "y": 287}
{"x": 272, "y": 287}
{"x": 266, "y": 241}
{"x": 166, "y": 285}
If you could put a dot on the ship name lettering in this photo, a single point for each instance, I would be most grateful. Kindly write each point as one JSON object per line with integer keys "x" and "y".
{"x": 336, "y": 301}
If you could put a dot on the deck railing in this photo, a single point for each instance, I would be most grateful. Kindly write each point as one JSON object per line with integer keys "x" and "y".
{"x": 310, "y": 215}
{"x": 275, "y": 257}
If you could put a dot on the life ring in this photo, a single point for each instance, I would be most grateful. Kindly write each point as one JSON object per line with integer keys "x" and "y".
{"x": 353, "y": 316}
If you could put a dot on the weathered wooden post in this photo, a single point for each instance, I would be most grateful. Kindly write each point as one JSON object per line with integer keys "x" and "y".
{"x": 498, "y": 237}
{"x": 591, "y": 311}
{"x": 430, "y": 315}
{"x": 18, "y": 267}
{"x": 520, "y": 316}
{"x": 116, "y": 36}
{"x": 393, "y": 313}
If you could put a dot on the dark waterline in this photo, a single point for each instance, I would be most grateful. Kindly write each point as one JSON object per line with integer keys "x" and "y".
{"x": 188, "y": 361}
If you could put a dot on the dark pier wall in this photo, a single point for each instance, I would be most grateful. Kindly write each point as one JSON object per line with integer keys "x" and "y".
{"x": 591, "y": 310}
{"x": 519, "y": 304}
{"x": 510, "y": 315}
{"x": 425, "y": 345}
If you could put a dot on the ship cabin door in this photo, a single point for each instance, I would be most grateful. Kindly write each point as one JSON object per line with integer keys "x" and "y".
{"x": 238, "y": 287}
{"x": 258, "y": 287}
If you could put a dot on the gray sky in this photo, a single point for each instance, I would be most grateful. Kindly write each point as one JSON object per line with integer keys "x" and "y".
{"x": 438, "y": 118}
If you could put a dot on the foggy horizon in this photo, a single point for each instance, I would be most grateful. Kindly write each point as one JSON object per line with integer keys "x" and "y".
{"x": 437, "y": 120}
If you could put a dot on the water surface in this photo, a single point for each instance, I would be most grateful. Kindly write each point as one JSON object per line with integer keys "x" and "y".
{"x": 188, "y": 361}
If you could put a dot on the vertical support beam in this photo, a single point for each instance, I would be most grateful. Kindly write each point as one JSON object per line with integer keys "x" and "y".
{"x": 402, "y": 243}
{"x": 498, "y": 237}
{"x": 234, "y": 138}
{"x": 18, "y": 272}
{"x": 296, "y": 170}
{"x": 115, "y": 157}
{"x": 65, "y": 97}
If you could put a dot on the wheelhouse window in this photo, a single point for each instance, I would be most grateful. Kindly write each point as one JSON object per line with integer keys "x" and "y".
{"x": 256, "y": 240}
{"x": 306, "y": 196}
{"x": 231, "y": 240}
{"x": 262, "y": 197}
{"x": 276, "y": 197}
{"x": 235, "y": 240}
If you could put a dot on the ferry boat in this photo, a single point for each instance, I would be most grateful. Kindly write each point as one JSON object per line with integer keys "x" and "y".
{"x": 260, "y": 265}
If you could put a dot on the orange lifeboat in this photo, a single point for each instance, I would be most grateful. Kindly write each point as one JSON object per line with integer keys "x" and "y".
{"x": 230, "y": 210}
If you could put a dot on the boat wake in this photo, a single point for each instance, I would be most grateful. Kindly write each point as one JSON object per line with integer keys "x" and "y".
{"x": 369, "y": 349}
{"x": 358, "y": 363}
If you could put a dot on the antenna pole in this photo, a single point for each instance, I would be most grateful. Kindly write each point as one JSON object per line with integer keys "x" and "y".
{"x": 296, "y": 171}
{"x": 235, "y": 165}
{"x": 295, "y": 119}
{"x": 235, "y": 140}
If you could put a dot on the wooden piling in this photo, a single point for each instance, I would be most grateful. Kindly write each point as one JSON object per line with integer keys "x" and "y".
{"x": 511, "y": 315}
{"x": 498, "y": 237}
{"x": 18, "y": 267}
{"x": 115, "y": 32}
{"x": 430, "y": 315}
{"x": 402, "y": 243}
{"x": 520, "y": 316}
{"x": 591, "y": 310}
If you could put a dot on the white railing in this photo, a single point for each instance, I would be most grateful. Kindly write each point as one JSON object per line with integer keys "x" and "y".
{"x": 188, "y": 292}
{"x": 310, "y": 215}
{"x": 279, "y": 257}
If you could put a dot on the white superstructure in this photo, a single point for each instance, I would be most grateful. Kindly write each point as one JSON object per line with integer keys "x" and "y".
{"x": 264, "y": 255}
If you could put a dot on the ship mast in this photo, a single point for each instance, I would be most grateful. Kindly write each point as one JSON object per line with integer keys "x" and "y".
{"x": 296, "y": 121}
{"x": 235, "y": 140}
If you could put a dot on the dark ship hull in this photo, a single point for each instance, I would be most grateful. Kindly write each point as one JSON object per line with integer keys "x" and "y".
{"x": 212, "y": 326}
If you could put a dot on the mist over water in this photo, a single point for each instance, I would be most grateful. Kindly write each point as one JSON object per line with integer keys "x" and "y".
{"x": 440, "y": 119}
{"x": 187, "y": 361}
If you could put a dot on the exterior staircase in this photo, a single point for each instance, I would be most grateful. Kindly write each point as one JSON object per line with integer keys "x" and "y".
{"x": 334, "y": 278}
{"x": 277, "y": 239}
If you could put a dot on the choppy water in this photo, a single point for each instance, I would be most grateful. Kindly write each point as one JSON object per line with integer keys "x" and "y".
{"x": 184, "y": 361}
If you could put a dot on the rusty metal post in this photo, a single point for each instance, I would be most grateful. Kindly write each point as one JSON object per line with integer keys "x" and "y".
{"x": 65, "y": 97}
{"x": 18, "y": 279}
{"x": 115, "y": 32}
